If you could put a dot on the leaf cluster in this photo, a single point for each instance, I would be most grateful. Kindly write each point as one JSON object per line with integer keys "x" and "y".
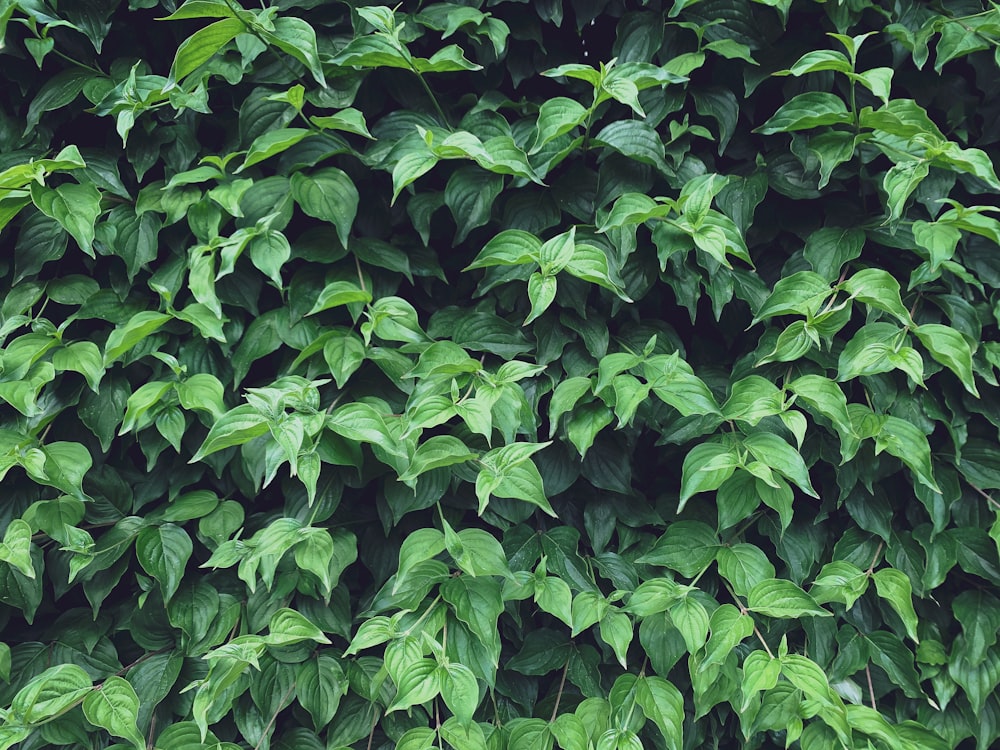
{"x": 594, "y": 375}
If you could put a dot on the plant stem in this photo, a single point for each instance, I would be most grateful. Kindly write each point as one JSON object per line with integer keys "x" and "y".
{"x": 562, "y": 684}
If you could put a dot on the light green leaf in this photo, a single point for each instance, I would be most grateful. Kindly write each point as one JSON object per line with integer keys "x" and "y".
{"x": 272, "y": 143}
{"x": 893, "y": 586}
{"x": 705, "y": 468}
{"x": 163, "y": 552}
{"x": 288, "y": 626}
{"x": 459, "y": 691}
{"x": 951, "y": 349}
{"x": 744, "y": 566}
{"x": 15, "y": 550}
{"x": 75, "y": 206}
{"x": 805, "y": 111}
{"x": 114, "y": 706}
{"x": 419, "y": 683}
{"x": 203, "y": 45}
{"x": 662, "y": 703}
{"x": 235, "y": 427}
{"x": 127, "y": 335}
{"x": 780, "y": 598}
{"x": 330, "y": 195}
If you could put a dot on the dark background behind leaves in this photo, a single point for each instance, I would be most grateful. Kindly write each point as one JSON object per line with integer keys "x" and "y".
{"x": 591, "y": 374}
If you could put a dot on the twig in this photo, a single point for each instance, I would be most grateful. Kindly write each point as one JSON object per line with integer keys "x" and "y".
{"x": 371, "y": 734}
{"x": 878, "y": 551}
{"x": 745, "y": 611}
{"x": 988, "y": 497}
{"x": 871, "y": 690}
{"x": 562, "y": 684}
{"x": 274, "y": 717}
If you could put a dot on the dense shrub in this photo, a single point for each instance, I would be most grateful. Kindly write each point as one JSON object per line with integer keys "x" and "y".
{"x": 603, "y": 374}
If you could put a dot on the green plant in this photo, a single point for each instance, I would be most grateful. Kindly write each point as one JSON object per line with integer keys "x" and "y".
{"x": 598, "y": 375}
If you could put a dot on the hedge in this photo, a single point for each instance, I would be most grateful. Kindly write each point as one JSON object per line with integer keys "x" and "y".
{"x": 600, "y": 375}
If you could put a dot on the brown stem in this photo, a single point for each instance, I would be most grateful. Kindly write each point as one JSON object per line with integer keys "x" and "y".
{"x": 871, "y": 690}
{"x": 745, "y": 611}
{"x": 152, "y": 729}
{"x": 562, "y": 684}
{"x": 878, "y": 551}
{"x": 274, "y": 716}
{"x": 986, "y": 495}
{"x": 371, "y": 734}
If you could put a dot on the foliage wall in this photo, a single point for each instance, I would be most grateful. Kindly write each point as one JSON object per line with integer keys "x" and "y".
{"x": 603, "y": 374}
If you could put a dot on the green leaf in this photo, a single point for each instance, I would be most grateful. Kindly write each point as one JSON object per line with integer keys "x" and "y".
{"x": 136, "y": 329}
{"x": 459, "y": 691}
{"x": 817, "y": 60}
{"x": 556, "y": 117}
{"x": 163, "y": 552}
{"x": 338, "y": 293}
{"x": 687, "y": 547}
{"x": 541, "y": 293}
{"x": 674, "y": 382}
{"x": 518, "y": 482}
{"x": 585, "y": 422}
{"x": 203, "y": 45}
{"x": 805, "y": 111}
{"x": 744, "y": 566}
{"x": 75, "y": 206}
{"x": 774, "y": 452}
{"x": 478, "y": 553}
{"x": 330, "y": 195}
{"x": 907, "y": 443}
{"x": 410, "y": 166}
{"x": 888, "y": 651}
{"x": 511, "y": 247}
{"x": 900, "y": 182}
{"x": 690, "y": 617}
{"x": 319, "y": 687}
{"x": 272, "y": 143}
{"x": 114, "y": 706}
{"x": 297, "y": 38}
{"x": 436, "y": 452}
{"x": 235, "y": 427}
{"x": 661, "y": 702}
{"x": 420, "y": 683}
{"x": 780, "y": 598}
{"x": 288, "y": 626}
{"x": 705, "y": 468}
{"x": 15, "y": 549}
{"x": 950, "y": 348}
{"x": 617, "y": 631}
{"x": 83, "y": 357}
{"x": 636, "y": 140}
{"x": 49, "y": 693}
{"x": 839, "y": 581}
{"x": 893, "y": 586}
{"x": 876, "y": 288}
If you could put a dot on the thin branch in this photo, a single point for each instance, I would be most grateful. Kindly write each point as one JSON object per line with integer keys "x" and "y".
{"x": 878, "y": 551}
{"x": 745, "y": 611}
{"x": 871, "y": 690}
{"x": 562, "y": 684}
{"x": 986, "y": 495}
{"x": 371, "y": 734}
{"x": 274, "y": 716}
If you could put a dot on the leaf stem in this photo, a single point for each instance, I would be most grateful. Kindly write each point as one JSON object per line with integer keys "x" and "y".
{"x": 274, "y": 716}
{"x": 871, "y": 690}
{"x": 745, "y": 611}
{"x": 562, "y": 684}
{"x": 430, "y": 95}
{"x": 878, "y": 551}
{"x": 986, "y": 495}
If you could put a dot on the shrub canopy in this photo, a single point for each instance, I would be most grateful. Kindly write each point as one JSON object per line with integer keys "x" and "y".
{"x": 596, "y": 375}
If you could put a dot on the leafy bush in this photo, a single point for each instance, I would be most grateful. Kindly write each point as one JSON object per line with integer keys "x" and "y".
{"x": 602, "y": 374}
